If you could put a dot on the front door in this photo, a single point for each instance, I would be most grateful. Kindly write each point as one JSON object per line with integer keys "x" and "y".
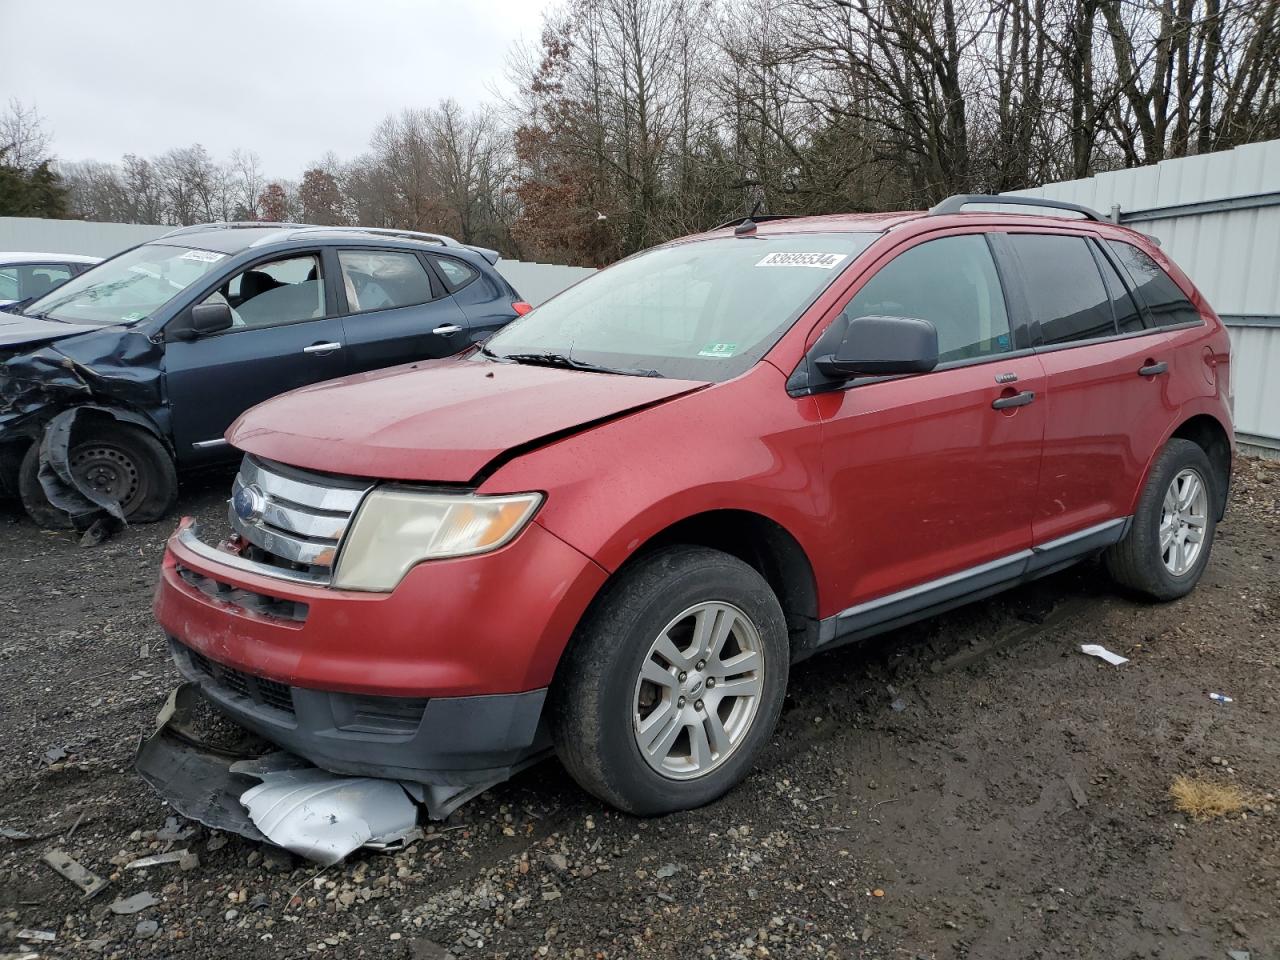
{"x": 284, "y": 335}
{"x": 933, "y": 477}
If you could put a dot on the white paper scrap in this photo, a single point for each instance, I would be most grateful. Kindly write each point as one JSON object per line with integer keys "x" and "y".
{"x": 1096, "y": 650}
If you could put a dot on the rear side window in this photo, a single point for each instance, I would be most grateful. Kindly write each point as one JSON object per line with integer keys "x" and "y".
{"x": 1163, "y": 297}
{"x": 456, "y": 273}
{"x": 1067, "y": 297}
{"x": 1128, "y": 316}
{"x": 950, "y": 282}
{"x": 383, "y": 279}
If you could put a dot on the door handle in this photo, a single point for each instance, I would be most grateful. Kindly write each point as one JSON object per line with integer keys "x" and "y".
{"x": 322, "y": 349}
{"x": 447, "y": 329}
{"x": 1017, "y": 400}
{"x": 1153, "y": 369}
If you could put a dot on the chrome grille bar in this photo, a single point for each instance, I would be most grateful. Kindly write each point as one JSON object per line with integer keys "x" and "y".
{"x": 296, "y": 518}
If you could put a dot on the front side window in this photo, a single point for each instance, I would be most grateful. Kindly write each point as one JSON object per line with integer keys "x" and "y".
{"x": 952, "y": 283}
{"x": 383, "y": 279}
{"x": 1164, "y": 298}
{"x": 1068, "y": 300}
{"x": 702, "y": 310}
{"x": 273, "y": 293}
{"x": 127, "y": 288}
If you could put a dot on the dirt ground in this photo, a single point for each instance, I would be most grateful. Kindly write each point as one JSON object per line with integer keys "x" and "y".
{"x": 970, "y": 787}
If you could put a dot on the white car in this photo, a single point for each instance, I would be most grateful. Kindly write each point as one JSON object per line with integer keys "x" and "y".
{"x": 27, "y": 275}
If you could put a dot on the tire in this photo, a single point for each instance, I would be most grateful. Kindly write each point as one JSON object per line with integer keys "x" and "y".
{"x": 1139, "y": 561}
{"x": 601, "y": 704}
{"x": 121, "y": 458}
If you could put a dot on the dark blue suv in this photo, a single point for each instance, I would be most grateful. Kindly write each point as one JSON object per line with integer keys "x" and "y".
{"x": 133, "y": 370}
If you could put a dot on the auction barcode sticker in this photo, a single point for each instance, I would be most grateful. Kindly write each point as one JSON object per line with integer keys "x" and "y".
{"x": 823, "y": 261}
{"x": 203, "y": 256}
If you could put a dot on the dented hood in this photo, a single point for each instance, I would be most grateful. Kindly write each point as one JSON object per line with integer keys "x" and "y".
{"x": 19, "y": 331}
{"x": 438, "y": 421}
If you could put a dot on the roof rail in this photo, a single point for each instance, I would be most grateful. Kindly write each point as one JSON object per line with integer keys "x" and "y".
{"x": 232, "y": 225}
{"x": 957, "y": 203}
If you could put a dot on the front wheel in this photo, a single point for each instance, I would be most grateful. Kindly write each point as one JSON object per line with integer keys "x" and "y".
{"x": 1167, "y": 547}
{"x": 119, "y": 461}
{"x": 673, "y": 684}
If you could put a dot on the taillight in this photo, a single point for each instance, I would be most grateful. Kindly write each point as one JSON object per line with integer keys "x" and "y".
{"x": 521, "y": 307}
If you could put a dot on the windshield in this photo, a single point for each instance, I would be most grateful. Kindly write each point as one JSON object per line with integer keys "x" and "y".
{"x": 706, "y": 310}
{"x": 127, "y": 288}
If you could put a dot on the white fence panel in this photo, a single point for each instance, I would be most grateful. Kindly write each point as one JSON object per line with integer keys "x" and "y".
{"x": 1218, "y": 217}
{"x": 535, "y": 282}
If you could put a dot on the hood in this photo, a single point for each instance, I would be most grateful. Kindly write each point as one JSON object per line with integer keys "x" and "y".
{"x": 438, "y": 421}
{"x": 19, "y": 331}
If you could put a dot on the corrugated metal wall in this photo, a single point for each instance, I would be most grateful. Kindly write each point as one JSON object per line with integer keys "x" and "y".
{"x": 1218, "y": 216}
{"x": 534, "y": 281}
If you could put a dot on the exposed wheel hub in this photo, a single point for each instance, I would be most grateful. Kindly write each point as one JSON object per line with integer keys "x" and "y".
{"x": 109, "y": 471}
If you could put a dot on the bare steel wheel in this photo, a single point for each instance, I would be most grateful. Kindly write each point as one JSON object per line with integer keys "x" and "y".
{"x": 698, "y": 690}
{"x": 1183, "y": 518}
{"x": 111, "y": 471}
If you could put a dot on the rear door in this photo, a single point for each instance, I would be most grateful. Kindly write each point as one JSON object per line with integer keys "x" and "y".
{"x": 396, "y": 310}
{"x": 1106, "y": 370}
{"x": 286, "y": 334}
{"x": 486, "y": 300}
{"x": 932, "y": 487}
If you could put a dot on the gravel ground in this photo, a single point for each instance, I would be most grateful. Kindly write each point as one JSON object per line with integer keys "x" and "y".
{"x": 972, "y": 786}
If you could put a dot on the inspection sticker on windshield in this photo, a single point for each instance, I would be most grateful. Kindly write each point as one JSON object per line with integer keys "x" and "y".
{"x": 823, "y": 261}
{"x": 204, "y": 256}
{"x": 718, "y": 350}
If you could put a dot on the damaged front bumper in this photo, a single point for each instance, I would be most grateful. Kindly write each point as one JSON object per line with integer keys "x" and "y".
{"x": 277, "y": 797}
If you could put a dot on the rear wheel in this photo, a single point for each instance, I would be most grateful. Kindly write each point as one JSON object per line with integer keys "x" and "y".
{"x": 1167, "y": 547}
{"x": 674, "y": 683}
{"x": 116, "y": 460}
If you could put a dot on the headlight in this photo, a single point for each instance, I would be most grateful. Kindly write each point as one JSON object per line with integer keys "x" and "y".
{"x": 396, "y": 529}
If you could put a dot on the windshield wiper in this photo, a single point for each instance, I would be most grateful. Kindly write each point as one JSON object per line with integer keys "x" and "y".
{"x": 560, "y": 360}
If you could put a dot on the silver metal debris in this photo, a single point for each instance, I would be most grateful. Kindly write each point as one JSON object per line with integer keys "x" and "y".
{"x": 90, "y": 883}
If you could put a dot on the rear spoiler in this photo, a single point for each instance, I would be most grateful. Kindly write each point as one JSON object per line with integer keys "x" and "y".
{"x": 493, "y": 256}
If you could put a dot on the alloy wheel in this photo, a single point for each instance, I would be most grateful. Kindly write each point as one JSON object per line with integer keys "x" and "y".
{"x": 699, "y": 690}
{"x": 1184, "y": 517}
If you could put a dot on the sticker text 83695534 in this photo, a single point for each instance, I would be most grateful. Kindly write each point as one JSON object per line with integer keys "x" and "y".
{"x": 823, "y": 261}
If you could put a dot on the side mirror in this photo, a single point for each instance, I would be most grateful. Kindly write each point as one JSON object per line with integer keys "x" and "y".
{"x": 882, "y": 346}
{"x": 209, "y": 318}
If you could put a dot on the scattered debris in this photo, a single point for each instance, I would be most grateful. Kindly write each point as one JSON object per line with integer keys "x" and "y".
{"x": 1238, "y": 954}
{"x": 16, "y": 835}
{"x": 1096, "y": 650}
{"x": 1205, "y": 799}
{"x": 134, "y": 904}
{"x": 1078, "y": 795}
{"x": 877, "y": 892}
{"x": 146, "y": 929}
{"x": 666, "y": 870}
{"x": 1220, "y": 698}
{"x": 37, "y": 936}
{"x": 55, "y": 754}
{"x": 160, "y": 859}
{"x": 90, "y": 883}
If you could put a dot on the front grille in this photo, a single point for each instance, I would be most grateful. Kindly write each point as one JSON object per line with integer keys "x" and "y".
{"x": 277, "y": 608}
{"x": 290, "y": 518}
{"x": 269, "y": 693}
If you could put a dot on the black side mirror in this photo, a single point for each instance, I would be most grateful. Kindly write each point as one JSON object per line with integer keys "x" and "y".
{"x": 209, "y": 318}
{"x": 882, "y": 346}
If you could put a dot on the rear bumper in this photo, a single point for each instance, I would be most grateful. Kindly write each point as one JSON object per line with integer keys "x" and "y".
{"x": 451, "y": 741}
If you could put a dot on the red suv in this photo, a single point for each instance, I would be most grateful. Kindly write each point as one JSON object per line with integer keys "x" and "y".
{"x": 610, "y": 531}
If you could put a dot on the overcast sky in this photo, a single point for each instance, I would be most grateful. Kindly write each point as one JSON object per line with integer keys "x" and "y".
{"x": 288, "y": 79}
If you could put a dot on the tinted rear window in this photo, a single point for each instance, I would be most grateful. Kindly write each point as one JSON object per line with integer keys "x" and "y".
{"x": 1062, "y": 282}
{"x": 1163, "y": 298}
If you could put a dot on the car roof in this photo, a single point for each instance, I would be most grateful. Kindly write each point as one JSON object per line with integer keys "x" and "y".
{"x": 237, "y": 237}
{"x": 25, "y": 256}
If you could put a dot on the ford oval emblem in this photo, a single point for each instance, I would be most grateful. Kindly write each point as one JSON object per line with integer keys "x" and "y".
{"x": 249, "y": 503}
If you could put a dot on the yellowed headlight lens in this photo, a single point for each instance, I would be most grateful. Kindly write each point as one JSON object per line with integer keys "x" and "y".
{"x": 396, "y": 528}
